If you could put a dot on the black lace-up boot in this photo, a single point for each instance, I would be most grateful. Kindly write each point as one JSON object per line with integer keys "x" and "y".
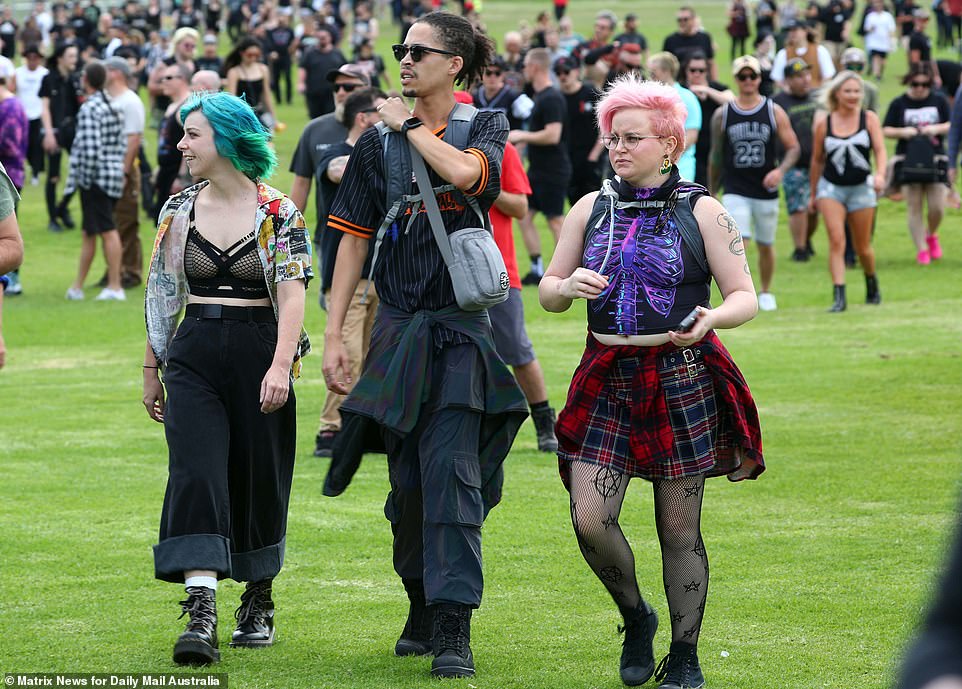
{"x": 255, "y": 617}
{"x": 679, "y": 669}
{"x": 637, "y": 653}
{"x": 452, "y": 642}
{"x": 544, "y": 420}
{"x": 872, "y": 294}
{"x": 198, "y": 644}
{"x": 416, "y": 637}
{"x": 840, "y": 303}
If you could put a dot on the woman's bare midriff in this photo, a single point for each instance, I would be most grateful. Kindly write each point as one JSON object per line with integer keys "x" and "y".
{"x": 228, "y": 301}
{"x": 631, "y": 340}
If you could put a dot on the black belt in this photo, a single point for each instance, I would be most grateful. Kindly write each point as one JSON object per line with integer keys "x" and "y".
{"x": 251, "y": 314}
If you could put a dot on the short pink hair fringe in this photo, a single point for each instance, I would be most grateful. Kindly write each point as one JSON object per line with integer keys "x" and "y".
{"x": 665, "y": 107}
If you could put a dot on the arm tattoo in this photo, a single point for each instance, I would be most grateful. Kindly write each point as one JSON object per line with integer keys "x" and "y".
{"x": 728, "y": 222}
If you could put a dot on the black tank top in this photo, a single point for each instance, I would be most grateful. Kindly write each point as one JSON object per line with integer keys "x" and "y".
{"x": 847, "y": 159}
{"x": 749, "y": 149}
{"x": 252, "y": 90}
{"x": 235, "y": 272}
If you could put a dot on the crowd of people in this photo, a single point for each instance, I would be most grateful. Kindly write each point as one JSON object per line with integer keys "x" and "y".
{"x": 652, "y": 174}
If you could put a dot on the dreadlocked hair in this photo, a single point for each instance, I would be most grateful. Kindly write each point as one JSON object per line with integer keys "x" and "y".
{"x": 459, "y": 36}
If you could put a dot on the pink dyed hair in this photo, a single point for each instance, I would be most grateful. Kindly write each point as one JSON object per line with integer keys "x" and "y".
{"x": 663, "y": 104}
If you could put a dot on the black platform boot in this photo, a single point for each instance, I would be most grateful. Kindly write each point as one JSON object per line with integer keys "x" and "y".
{"x": 637, "y": 653}
{"x": 417, "y": 635}
{"x": 544, "y": 421}
{"x": 452, "y": 642}
{"x": 680, "y": 669}
{"x": 255, "y": 617}
{"x": 840, "y": 303}
{"x": 198, "y": 644}
{"x": 872, "y": 294}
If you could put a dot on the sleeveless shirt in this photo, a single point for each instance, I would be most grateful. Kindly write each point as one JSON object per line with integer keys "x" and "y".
{"x": 847, "y": 159}
{"x": 653, "y": 279}
{"x": 748, "y": 140}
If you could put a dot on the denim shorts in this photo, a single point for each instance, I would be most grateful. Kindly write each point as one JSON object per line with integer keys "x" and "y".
{"x": 796, "y": 186}
{"x": 854, "y": 198}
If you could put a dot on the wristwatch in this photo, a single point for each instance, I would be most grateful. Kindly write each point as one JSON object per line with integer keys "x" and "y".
{"x": 410, "y": 123}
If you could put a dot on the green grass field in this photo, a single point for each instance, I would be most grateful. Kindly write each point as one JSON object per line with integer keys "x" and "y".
{"x": 820, "y": 570}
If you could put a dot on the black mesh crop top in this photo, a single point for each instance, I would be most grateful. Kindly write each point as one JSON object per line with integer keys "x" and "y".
{"x": 235, "y": 272}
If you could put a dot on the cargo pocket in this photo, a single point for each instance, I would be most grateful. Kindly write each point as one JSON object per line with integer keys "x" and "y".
{"x": 458, "y": 498}
{"x": 390, "y": 509}
{"x": 690, "y": 398}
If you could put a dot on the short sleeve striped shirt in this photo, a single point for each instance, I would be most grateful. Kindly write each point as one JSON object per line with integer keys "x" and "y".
{"x": 410, "y": 273}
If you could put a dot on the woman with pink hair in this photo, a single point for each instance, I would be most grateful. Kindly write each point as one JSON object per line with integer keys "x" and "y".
{"x": 656, "y": 394}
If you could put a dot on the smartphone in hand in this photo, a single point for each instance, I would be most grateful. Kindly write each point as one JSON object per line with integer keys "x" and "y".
{"x": 688, "y": 322}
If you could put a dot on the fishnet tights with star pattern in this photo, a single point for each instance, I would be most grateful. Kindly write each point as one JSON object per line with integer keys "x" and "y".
{"x": 597, "y": 494}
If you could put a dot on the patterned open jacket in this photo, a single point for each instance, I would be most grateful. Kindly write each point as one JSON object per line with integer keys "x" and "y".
{"x": 283, "y": 247}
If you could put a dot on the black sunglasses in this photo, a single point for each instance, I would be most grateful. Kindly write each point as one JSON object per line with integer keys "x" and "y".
{"x": 347, "y": 87}
{"x": 746, "y": 76}
{"x": 697, "y": 70}
{"x": 417, "y": 51}
{"x": 487, "y": 72}
{"x": 920, "y": 84}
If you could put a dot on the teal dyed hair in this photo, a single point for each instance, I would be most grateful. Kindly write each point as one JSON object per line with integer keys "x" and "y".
{"x": 238, "y": 135}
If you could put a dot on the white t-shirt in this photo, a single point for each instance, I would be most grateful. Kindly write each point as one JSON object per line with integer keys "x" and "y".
{"x": 879, "y": 31}
{"x": 7, "y": 69}
{"x": 782, "y": 57}
{"x": 133, "y": 109}
{"x": 28, "y": 86}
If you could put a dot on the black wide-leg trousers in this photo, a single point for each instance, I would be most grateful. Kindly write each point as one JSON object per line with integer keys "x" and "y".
{"x": 231, "y": 465}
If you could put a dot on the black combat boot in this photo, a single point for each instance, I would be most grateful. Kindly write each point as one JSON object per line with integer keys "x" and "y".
{"x": 872, "y": 294}
{"x": 198, "y": 644}
{"x": 840, "y": 304}
{"x": 416, "y": 637}
{"x": 255, "y": 617}
{"x": 452, "y": 642}
{"x": 679, "y": 669}
{"x": 637, "y": 652}
{"x": 544, "y": 420}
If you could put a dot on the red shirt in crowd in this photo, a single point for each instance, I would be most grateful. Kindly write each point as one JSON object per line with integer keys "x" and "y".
{"x": 514, "y": 181}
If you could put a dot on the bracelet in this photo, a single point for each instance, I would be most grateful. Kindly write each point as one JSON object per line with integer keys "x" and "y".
{"x": 145, "y": 366}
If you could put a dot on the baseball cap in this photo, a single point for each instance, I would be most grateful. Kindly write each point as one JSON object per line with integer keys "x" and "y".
{"x": 746, "y": 62}
{"x": 921, "y": 13}
{"x": 795, "y": 24}
{"x": 796, "y": 66}
{"x": 566, "y": 64}
{"x": 32, "y": 49}
{"x": 852, "y": 56}
{"x": 349, "y": 70}
{"x": 119, "y": 64}
{"x": 210, "y": 39}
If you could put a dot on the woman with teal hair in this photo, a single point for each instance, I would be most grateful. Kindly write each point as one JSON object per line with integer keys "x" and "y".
{"x": 224, "y": 310}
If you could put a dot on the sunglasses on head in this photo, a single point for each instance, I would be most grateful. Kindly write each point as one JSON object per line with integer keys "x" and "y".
{"x": 417, "y": 51}
{"x": 747, "y": 76}
{"x": 920, "y": 84}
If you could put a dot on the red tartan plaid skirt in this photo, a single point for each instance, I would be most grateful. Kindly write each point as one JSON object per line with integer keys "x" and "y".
{"x": 661, "y": 412}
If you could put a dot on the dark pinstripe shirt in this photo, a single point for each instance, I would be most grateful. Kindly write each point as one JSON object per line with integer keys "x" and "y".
{"x": 410, "y": 274}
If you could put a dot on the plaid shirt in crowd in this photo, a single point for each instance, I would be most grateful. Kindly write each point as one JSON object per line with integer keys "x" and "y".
{"x": 97, "y": 154}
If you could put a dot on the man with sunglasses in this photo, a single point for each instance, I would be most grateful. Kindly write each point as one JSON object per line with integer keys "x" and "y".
{"x": 711, "y": 95}
{"x": 433, "y": 389}
{"x": 745, "y": 134}
{"x": 318, "y": 136}
{"x": 495, "y": 94}
{"x": 584, "y": 145}
{"x": 691, "y": 38}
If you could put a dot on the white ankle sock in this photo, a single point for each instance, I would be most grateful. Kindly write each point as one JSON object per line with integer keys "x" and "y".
{"x": 206, "y": 582}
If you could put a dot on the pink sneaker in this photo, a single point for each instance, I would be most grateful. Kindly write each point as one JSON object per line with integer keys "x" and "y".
{"x": 935, "y": 249}
{"x": 923, "y": 258}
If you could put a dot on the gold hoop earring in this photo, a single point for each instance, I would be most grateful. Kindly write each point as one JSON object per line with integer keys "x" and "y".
{"x": 665, "y": 166}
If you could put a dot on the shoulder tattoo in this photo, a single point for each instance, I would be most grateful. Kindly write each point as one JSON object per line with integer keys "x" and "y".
{"x": 726, "y": 221}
